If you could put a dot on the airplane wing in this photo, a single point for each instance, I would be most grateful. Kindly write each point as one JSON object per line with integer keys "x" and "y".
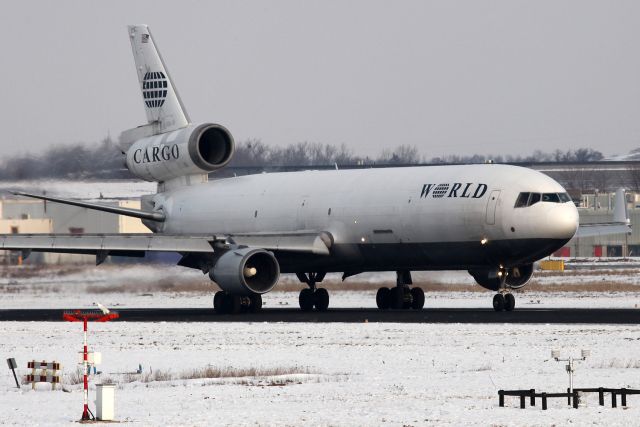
{"x": 620, "y": 224}
{"x": 603, "y": 229}
{"x": 136, "y": 245}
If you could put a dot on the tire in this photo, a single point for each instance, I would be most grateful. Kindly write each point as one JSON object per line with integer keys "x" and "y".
{"x": 417, "y": 298}
{"x": 396, "y": 298}
{"x": 509, "y": 302}
{"x": 407, "y": 299}
{"x": 382, "y": 298}
{"x": 498, "y": 302}
{"x": 234, "y": 303}
{"x": 218, "y": 302}
{"x": 321, "y": 299}
{"x": 306, "y": 299}
{"x": 256, "y": 303}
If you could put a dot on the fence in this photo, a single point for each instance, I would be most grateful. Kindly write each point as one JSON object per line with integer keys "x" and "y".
{"x": 572, "y": 398}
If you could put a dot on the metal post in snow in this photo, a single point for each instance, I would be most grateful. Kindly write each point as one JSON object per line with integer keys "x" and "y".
{"x": 85, "y": 361}
{"x": 570, "y": 368}
{"x": 13, "y": 365}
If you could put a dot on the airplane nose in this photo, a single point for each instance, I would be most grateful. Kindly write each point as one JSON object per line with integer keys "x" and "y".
{"x": 562, "y": 223}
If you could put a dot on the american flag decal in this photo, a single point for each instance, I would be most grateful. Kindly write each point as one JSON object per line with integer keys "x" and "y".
{"x": 145, "y": 38}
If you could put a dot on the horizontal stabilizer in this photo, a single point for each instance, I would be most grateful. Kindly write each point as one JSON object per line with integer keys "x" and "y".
{"x": 135, "y": 213}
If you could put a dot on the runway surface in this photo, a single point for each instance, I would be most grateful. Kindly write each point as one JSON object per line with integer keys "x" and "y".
{"x": 353, "y": 315}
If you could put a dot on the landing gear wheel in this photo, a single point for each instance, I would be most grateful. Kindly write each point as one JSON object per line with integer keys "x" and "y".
{"x": 232, "y": 303}
{"x": 417, "y": 298}
{"x": 321, "y": 299}
{"x": 255, "y": 304}
{"x": 396, "y": 298}
{"x": 382, "y": 298}
{"x": 509, "y": 302}
{"x": 498, "y": 302}
{"x": 306, "y": 299}
{"x": 218, "y": 301}
{"x": 406, "y": 297}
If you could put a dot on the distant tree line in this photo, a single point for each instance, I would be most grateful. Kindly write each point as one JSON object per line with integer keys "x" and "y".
{"x": 68, "y": 161}
{"x": 106, "y": 161}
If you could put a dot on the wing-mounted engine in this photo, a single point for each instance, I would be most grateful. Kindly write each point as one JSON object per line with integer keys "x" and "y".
{"x": 519, "y": 276}
{"x": 489, "y": 278}
{"x": 246, "y": 271}
{"x": 192, "y": 150}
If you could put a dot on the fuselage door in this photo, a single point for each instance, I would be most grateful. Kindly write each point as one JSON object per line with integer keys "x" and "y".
{"x": 491, "y": 207}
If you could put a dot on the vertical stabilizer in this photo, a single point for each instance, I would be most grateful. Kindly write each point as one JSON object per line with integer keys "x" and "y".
{"x": 620, "y": 213}
{"x": 162, "y": 103}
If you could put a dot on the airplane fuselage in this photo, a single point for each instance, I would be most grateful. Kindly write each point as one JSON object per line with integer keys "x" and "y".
{"x": 417, "y": 218}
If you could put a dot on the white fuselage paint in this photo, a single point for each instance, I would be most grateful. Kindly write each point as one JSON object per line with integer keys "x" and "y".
{"x": 376, "y": 206}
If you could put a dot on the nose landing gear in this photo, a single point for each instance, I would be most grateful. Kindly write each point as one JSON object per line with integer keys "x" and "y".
{"x": 504, "y": 299}
{"x": 402, "y": 296}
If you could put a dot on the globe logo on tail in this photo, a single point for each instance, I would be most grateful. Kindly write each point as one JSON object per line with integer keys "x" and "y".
{"x": 154, "y": 89}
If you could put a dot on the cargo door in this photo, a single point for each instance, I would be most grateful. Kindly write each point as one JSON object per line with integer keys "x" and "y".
{"x": 492, "y": 203}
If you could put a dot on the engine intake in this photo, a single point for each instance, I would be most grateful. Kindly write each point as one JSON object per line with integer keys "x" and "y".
{"x": 195, "y": 149}
{"x": 246, "y": 271}
{"x": 517, "y": 277}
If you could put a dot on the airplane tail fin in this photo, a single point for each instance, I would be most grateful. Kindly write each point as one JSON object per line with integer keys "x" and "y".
{"x": 620, "y": 213}
{"x": 162, "y": 103}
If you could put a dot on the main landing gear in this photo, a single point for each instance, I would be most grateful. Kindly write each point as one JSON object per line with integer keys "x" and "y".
{"x": 402, "y": 296}
{"x": 313, "y": 296}
{"x": 226, "y": 303}
{"x": 504, "y": 299}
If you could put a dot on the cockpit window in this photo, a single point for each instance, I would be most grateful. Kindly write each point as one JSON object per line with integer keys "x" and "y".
{"x": 564, "y": 197}
{"x": 528, "y": 199}
{"x": 523, "y": 198}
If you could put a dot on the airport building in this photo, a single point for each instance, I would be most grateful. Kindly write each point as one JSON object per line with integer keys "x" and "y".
{"x": 599, "y": 209}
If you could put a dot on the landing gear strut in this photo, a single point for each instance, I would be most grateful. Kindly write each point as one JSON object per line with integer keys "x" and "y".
{"x": 226, "y": 303}
{"x": 504, "y": 299}
{"x": 313, "y": 296}
{"x": 402, "y": 296}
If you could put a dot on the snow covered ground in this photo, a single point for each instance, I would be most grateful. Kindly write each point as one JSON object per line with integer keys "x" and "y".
{"x": 353, "y": 374}
{"x": 145, "y": 285}
{"x": 332, "y": 374}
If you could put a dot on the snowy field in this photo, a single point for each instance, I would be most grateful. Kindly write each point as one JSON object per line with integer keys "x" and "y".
{"x": 144, "y": 285}
{"x": 317, "y": 374}
{"x": 340, "y": 374}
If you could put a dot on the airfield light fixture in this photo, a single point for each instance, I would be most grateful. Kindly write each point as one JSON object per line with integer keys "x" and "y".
{"x": 555, "y": 354}
{"x": 484, "y": 241}
{"x": 104, "y": 315}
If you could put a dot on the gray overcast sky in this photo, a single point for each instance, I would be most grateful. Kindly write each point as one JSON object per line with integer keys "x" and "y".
{"x": 451, "y": 77}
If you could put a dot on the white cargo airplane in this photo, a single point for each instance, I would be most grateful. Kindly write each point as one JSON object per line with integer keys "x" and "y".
{"x": 492, "y": 220}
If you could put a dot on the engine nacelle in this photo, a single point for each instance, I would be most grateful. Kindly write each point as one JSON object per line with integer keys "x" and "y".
{"x": 246, "y": 271}
{"x": 517, "y": 277}
{"x": 195, "y": 149}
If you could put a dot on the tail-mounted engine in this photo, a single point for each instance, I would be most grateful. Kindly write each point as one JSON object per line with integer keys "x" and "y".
{"x": 246, "y": 271}
{"x": 517, "y": 277}
{"x": 192, "y": 150}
